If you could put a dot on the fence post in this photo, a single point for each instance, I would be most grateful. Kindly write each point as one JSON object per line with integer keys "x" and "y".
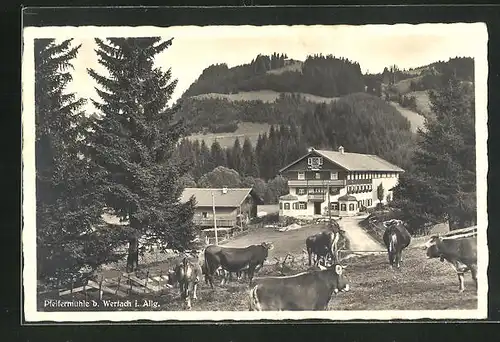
{"x": 100, "y": 287}
{"x": 118, "y": 286}
{"x": 159, "y": 281}
{"x": 130, "y": 283}
{"x": 146, "y": 281}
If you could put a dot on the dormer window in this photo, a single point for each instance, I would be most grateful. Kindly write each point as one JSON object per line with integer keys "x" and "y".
{"x": 317, "y": 175}
{"x": 334, "y": 175}
{"x": 301, "y": 175}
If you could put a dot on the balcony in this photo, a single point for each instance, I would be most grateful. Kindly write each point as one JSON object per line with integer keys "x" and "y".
{"x": 316, "y": 197}
{"x": 209, "y": 222}
{"x": 316, "y": 182}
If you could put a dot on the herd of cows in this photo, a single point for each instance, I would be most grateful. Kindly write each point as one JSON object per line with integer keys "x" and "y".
{"x": 313, "y": 289}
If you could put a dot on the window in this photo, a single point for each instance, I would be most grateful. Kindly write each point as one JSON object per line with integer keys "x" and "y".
{"x": 302, "y": 205}
{"x": 334, "y": 175}
{"x": 317, "y": 175}
{"x": 301, "y": 191}
{"x": 359, "y": 204}
{"x": 294, "y": 205}
{"x": 281, "y": 205}
{"x": 334, "y": 206}
{"x": 369, "y": 202}
{"x": 343, "y": 207}
{"x": 301, "y": 175}
{"x": 349, "y": 176}
{"x": 204, "y": 214}
{"x": 351, "y": 207}
{"x": 287, "y": 206}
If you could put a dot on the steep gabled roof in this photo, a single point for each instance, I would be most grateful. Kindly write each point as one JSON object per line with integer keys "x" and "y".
{"x": 352, "y": 161}
{"x": 232, "y": 199}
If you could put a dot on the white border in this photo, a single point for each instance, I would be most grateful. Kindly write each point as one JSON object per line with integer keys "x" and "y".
{"x": 28, "y": 183}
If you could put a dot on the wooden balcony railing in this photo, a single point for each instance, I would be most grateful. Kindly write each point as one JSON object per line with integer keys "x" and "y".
{"x": 209, "y": 222}
{"x": 315, "y": 182}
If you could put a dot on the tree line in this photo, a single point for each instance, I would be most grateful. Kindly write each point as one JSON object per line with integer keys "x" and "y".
{"x": 217, "y": 115}
{"x": 326, "y": 76}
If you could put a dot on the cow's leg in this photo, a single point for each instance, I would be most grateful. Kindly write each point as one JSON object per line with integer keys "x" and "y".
{"x": 389, "y": 254}
{"x": 473, "y": 271}
{"x": 461, "y": 281}
{"x": 310, "y": 257}
{"x": 398, "y": 259}
{"x": 251, "y": 271}
{"x": 224, "y": 277}
{"x": 195, "y": 286}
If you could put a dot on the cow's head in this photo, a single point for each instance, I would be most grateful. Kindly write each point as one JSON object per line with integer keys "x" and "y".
{"x": 171, "y": 278}
{"x": 432, "y": 247}
{"x": 267, "y": 245}
{"x": 340, "y": 281}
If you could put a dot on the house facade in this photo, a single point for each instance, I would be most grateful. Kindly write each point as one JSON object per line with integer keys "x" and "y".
{"x": 348, "y": 181}
{"x": 233, "y": 207}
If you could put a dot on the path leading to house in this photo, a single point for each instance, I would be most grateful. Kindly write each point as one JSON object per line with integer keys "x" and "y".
{"x": 360, "y": 240}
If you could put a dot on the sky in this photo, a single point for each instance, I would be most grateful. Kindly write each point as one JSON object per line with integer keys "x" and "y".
{"x": 195, "y": 48}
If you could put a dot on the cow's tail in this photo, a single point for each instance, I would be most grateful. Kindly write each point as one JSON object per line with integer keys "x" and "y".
{"x": 254, "y": 299}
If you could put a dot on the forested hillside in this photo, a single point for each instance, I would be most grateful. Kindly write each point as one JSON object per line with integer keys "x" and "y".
{"x": 320, "y": 75}
{"x": 323, "y": 102}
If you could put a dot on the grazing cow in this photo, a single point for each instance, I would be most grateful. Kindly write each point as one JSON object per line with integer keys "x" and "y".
{"x": 323, "y": 245}
{"x": 310, "y": 290}
{"x": 396, "y": 238}
{"x": 458, "y": 250}
{"x": 250, "y": 258}
{"x": 188, "y": 275}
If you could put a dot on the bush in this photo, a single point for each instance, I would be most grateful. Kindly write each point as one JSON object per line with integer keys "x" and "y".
{"x": 268, "y": 219}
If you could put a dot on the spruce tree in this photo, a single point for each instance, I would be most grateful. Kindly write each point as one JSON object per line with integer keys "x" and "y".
{"x": 443, "y": 184}
{"x": 217, "y": 155}
{"x": 135, "y": 140}
{"x": 70, "y": 241}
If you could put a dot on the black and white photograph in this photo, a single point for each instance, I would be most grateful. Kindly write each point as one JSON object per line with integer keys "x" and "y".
{"x": 334, "y": 172}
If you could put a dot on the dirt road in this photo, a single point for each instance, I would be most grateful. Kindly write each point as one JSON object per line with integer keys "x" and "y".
{"x": 358, "y": 238}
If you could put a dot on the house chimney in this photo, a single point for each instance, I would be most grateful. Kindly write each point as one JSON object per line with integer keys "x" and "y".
{"x": 341, "y": 149}
{"x": 224, "y": 190}
{"x": 310, "y": 149}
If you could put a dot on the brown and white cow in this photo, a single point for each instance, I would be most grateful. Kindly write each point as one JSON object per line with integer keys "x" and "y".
{"x": 460, "y": 250}
{"x": 188, "y": 275}
{"x": 396, "y": 239}
{"x": 249, "y": 259}
{"x": 324, "y": 245}
{"x": 311, "y": 290}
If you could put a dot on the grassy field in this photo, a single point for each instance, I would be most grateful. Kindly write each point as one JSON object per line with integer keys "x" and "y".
{"x": 404, "y": 86}
{"x": 416, "y": 120}
{"x": 423, "y": 102}
{"x": 420, "y": 284}
{"x": 296, "y": 66}
{"x": 245, "y": 129}
{"x": 262, "y": 95}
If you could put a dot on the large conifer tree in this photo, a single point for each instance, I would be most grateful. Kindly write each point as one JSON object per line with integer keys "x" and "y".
{"x": 135, "y": 140}
{"x": 70, "y": 243}
{"x": 443, "y": 185}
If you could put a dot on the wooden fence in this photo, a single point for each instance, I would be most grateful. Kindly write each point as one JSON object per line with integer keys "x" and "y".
{"x": 121, "y": 286}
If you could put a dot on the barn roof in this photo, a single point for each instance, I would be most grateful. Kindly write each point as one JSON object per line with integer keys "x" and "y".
{"x": 233, "y": 198}
{"x": 352, "y": 161}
